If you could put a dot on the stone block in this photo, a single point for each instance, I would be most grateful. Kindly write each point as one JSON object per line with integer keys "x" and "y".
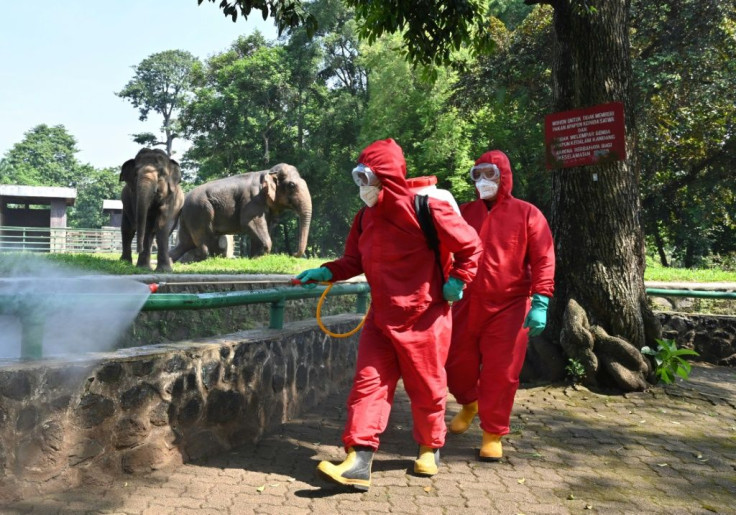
{"x": 130, "y": 431}
{"x": 138, "y": 396}
{"x": 93, "y": 409}
{"x": 146, "y": 458}
{"x": 224, "y": 406}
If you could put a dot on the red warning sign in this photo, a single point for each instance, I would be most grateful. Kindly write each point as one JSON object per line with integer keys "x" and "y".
{"x": 587, "y": 136}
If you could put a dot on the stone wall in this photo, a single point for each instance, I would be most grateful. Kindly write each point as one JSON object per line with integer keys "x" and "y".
{"x": 65, "y": 424}
{"x": 711, "y": 336}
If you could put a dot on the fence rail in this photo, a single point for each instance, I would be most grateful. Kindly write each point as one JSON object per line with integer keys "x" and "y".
{"x": 64, "y": 240}
{"x": 107, "y": 240}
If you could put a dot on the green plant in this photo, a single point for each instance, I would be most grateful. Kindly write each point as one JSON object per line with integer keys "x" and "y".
{"x": 668, "y": 360}
{"x": 575, "y": 370}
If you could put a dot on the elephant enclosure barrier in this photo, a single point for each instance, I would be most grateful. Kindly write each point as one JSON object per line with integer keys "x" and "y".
{"x": 59, "y": 240}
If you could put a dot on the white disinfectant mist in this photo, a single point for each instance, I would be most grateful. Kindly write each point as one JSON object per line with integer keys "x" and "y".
{"x": 76, "y": 313}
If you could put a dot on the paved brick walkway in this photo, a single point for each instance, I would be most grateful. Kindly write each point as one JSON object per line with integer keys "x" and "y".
{"x": 669, "y": 450}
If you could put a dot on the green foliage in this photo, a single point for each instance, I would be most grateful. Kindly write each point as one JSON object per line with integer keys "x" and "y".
{"x": 575, "y": 370}
{"x": 286, "y": 13}
{"x": 432, "y": 30}
{"x": 686, "y": 126}
{"x": 656, "y": 272}
{"x": 406, "y": 106}
{"x": 45, "y": 157}
{"x": 93, "y": 187}
{"x": 668, "y": 360}
{"x": 239, "y": 117}
{"x": 161, "y": 83}
{"x": 506, "y": 95}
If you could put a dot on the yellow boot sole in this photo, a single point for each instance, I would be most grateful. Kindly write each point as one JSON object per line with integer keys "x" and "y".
{"x": 335, "y": 473}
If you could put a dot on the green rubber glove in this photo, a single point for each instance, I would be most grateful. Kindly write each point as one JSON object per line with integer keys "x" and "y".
{"x": 536, "y": 319}
{"x": 453, "y": 289}
{"x": 319, "y": 275}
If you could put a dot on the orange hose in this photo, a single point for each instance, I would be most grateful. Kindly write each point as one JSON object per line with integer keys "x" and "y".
{"x": 319, "y": 317}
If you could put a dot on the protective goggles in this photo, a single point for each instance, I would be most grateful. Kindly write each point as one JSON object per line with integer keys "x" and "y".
{"x": 364, "y": 176}
{"x": 487, "y": 171}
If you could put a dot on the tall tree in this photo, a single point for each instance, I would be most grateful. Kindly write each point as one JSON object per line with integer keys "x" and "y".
{"x": 45, "y": 157}
{"x": 332, "y": 83}
{"x": 161, "y": 83}
{"x": 687, "y": 125}
{"x": 241, "y": 115}
{"x": 410, "y": 104}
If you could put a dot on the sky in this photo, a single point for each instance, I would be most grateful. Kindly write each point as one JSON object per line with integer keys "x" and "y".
{"x": 61, "y": 63}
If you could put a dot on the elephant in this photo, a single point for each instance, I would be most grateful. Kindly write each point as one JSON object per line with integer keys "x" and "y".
{"x": 152, "y": 198}
{"x": 250, "y": 203}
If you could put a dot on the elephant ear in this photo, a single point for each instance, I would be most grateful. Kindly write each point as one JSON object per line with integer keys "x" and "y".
{"x": 127, "y": 171}
{"x": 269, "y": 185}
{"x": 175, "y": 171}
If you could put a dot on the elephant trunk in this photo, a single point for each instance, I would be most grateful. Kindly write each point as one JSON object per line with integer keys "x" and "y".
{"x": 305, "y": 220}
{"x": 146, "y": 189}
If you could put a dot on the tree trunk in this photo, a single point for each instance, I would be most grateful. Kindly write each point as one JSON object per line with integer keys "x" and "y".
{"x": 599, "y": 315}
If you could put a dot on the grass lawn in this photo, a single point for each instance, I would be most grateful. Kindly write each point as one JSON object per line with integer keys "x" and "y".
{"x": 30, "y": 263}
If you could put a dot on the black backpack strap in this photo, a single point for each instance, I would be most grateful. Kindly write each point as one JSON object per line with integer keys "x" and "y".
{"x": 360, "y": 219}
{"x": 424, "y": 216}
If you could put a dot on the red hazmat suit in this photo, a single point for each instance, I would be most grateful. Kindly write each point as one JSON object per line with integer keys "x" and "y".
{"x": 408, "y": 327}
{"x": 488, "y": 341}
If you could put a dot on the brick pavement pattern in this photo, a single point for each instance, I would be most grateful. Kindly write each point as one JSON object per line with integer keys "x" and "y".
{"x": 669, "y": 450}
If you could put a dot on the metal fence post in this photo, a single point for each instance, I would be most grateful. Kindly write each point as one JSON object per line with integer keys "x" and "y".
{"x": 277, "y": 314}
{"x": 361, "y": 302}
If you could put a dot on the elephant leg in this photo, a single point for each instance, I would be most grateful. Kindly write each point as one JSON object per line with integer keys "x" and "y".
{"x": 165, "y": 228}
{"x": 145, "y": 242}
{"x": 163, "y": 262}
{"x": 127, "y": 232}
{"x": 260, "y": 239}
{"x": 184, "y": 245}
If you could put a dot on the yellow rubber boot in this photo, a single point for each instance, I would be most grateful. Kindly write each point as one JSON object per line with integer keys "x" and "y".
{"x": 428, "y": 461}
{"x": 464, "y": 418}
{"x": 355, "y": 471}
{"x": 491, "y": 448}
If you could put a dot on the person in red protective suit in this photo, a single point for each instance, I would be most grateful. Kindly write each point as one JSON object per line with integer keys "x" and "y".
{"x": 408, "y": 327}
{"x": 504, "y": 305}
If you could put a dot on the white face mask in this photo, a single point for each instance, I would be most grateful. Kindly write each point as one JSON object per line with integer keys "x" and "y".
{"x": 487, "y": 189}
{"x": 369, "y": 195}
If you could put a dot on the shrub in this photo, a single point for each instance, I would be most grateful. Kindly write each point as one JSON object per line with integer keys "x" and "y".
{"x": 668, "y": 360}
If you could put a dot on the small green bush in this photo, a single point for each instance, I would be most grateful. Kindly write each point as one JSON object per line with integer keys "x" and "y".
{"x": 574, "y": 370}
{"x": 668, "y": 360}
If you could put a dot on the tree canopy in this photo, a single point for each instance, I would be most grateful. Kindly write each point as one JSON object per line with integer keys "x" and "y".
{"x": 161, "y": 83}
{"x": 47, "y": 157}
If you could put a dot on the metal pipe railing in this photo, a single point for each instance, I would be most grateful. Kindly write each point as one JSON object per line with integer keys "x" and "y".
{"x": 664, "y": 292}
{"x": 32, "y": 313}
{"x": 276, "y": 296}
{"x": 25, "y": 307}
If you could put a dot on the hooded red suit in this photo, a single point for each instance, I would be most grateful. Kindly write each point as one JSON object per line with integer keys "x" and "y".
{"x": 488, "y": 341}
{"x": 407, "y": 330}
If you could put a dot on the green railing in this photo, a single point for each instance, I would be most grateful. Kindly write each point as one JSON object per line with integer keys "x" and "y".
{"x": 32, "y": 313}
{"x": 664, "y": 292}
{"x": 26, "y": 307}
{"x": 277, "y": 297}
